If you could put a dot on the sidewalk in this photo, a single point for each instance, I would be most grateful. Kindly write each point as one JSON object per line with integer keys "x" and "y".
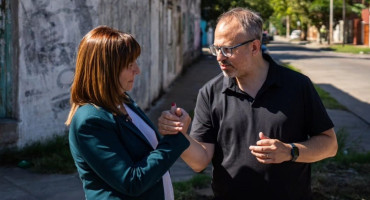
{"x": 19, "y": 184}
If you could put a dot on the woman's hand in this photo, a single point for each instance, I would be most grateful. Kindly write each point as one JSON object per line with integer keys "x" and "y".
{"x": 173, "y": 121}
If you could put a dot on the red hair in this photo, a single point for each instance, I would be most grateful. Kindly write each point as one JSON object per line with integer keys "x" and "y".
{"x": 102, "y": 54}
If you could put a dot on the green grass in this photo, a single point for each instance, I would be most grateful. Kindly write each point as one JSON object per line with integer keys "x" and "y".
{"x": 185, "y": 190}
{"x": 51, "y": 156}
{"x": 291, "y": 67}
{"x": 328, "y": 101}
{"x": 350, "y": 49}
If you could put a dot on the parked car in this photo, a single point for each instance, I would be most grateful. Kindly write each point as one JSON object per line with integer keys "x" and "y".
{"x": 295, "y": 35}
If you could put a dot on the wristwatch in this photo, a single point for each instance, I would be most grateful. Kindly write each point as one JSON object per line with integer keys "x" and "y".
{"x": 294, "y": 152}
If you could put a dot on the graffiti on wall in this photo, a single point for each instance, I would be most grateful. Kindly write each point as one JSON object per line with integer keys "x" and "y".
{"x": 44, "y": 47}
{"x": 48, "y": 51}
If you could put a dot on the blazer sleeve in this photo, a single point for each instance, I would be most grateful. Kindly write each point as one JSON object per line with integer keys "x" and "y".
{"x": 101, "y": 148}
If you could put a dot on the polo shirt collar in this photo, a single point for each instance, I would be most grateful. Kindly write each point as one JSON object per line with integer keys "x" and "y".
{"x": 273, "y": 77}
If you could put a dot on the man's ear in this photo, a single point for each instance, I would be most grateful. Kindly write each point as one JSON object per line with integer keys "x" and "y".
{"x": 256, "y": 47}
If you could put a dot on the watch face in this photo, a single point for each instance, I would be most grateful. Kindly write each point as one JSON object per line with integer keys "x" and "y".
{"x": 295, "y": 152}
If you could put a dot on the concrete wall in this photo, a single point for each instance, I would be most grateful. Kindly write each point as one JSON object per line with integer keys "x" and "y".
{"x": 49, "y": 33}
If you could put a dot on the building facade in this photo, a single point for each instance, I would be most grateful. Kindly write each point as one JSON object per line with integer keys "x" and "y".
{"x": 38, "y": 44}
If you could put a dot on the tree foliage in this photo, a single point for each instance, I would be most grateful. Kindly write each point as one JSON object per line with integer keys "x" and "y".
{"x": 212, "y": 9}
{"x": 306, "y": 12}
{"x": 313, "y": 12}
{"x": 320, "y": 10}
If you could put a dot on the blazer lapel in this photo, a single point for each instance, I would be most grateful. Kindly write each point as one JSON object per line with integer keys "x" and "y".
{"x": 139, "y": 112}
{"x": 123, "y": 122}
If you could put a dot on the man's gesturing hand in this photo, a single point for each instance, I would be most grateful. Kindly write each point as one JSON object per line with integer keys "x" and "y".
{"x": 270, "y": 150}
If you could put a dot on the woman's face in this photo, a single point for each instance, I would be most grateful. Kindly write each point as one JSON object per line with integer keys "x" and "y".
{"x": 127, "y": 76}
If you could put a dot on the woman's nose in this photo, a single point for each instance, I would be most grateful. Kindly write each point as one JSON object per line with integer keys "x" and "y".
{"x": 137, "y": 69}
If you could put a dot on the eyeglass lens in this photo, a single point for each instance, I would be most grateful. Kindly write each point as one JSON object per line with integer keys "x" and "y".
{"x": 224, "y": 50}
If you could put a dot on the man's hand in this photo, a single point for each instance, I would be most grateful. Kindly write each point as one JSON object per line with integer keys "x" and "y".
{"x": 173, "y": 121}
{"x": 269, "y": 150}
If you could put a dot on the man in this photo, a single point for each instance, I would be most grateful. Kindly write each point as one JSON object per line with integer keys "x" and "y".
{"x": 261, "y": 124}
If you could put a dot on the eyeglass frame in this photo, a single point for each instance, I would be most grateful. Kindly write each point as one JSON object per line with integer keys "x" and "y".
{"x": 231, "y": 48}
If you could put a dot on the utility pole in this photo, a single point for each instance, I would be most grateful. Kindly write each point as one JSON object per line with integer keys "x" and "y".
{"x": 331, "y": 23}
{"x": 344, "y": 22}
{"x": 287, "y": 27}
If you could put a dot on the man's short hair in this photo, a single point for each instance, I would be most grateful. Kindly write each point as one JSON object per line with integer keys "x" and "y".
{"x": 250, "y": 21}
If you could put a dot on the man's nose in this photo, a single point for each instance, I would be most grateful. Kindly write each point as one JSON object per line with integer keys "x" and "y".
{"x": 220, "y": 56}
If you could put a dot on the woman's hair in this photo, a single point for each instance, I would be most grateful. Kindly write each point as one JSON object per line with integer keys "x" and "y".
{"x": 102, "y": 54}
{"x": 251, "y": 22}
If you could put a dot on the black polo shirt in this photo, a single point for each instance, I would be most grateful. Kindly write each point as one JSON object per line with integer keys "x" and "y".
{"x": 287, "y": 107}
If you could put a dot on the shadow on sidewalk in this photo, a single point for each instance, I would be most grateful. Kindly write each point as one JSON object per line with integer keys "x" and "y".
{"x": 358, "y": 108}
{"x": 355, "y": 121}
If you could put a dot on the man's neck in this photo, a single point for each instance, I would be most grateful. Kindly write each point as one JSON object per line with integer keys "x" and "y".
{"x": 253, "y": 81}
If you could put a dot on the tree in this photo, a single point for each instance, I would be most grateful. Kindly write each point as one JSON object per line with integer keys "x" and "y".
{"x": 291, "y": 12}
{"x": 319, "y": 12}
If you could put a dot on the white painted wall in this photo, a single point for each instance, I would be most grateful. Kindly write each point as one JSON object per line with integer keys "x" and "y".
{"x": 50, "y": 31}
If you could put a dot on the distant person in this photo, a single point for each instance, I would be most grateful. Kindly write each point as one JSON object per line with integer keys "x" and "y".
{"x": 259, "y": 123}
{"x": 323, "y": 34}
{"x": 118, "y": 152}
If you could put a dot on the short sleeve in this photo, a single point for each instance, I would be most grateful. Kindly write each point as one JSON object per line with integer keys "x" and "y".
{"x": 317, "y": 119}
{"x": 203, "y": 127}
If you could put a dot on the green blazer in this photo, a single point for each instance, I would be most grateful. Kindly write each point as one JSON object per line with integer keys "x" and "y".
{"x": 114, "y": 159}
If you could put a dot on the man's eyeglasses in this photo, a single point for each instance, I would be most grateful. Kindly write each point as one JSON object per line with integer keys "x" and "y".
{"x": 226, "y": 51}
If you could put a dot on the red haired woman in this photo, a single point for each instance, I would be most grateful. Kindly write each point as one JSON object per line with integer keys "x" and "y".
{"x": 118, "y": 152}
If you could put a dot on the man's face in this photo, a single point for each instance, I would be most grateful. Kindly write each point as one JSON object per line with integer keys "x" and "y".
{"x": 227, "y": 34}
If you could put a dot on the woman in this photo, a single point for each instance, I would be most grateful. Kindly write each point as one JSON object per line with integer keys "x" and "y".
{"x": 118, "y": 152}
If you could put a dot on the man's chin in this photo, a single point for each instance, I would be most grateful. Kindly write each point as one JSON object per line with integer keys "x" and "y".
{"x": 229, "y": 74}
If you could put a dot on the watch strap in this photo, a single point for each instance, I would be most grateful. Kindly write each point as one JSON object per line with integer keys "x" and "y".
{"x": 294, "y": 152}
